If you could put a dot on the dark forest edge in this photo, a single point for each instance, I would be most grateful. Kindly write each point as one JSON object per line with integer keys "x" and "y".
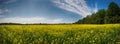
{"x": 49, "y": 24}
{"x": 109, "y": 16}
{"x": 35, "y": 24}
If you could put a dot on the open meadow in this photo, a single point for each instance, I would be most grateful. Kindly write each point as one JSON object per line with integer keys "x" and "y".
{"x": 60, "y": 34}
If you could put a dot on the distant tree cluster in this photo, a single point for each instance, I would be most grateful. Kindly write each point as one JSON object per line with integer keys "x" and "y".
{"x": 109, "y": 16}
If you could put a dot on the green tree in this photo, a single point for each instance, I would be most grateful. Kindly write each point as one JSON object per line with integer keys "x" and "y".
{"x": 95, "y": 18}
{"x": 100, "y": 16}
{"x": 111, "y": 13}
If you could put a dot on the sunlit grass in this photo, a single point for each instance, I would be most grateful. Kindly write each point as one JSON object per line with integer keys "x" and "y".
{"x": 60, "y": 34}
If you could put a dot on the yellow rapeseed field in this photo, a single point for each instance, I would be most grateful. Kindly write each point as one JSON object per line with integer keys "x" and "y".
{"x": 60, "y": 34}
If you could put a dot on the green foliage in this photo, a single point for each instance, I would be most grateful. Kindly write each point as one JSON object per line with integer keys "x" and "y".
{"x": 59, "y": 34}
{"x": 111, "y": 15}
{"x": 95, "y": 18}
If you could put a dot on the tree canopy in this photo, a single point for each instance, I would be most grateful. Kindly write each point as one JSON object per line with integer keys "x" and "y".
{"x": 111, "y": 15}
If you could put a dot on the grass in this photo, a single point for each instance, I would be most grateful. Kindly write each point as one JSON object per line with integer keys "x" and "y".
{"x": 60, "y": 34}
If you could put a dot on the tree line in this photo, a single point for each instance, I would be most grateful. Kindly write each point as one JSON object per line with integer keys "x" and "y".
{"x": 109, "y": 16}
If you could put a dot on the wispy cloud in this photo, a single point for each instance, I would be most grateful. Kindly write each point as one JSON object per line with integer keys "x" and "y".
{"x": 96, "y": 8}
{"x": 10, "y": 1}
{"x": 1, "y": 16}
{"x": 6, "y": 1}
{"x": 29, "y": 20}
{"x": 3, "y": 11}
{"x": 3, "y": 3}
{"x": 77, "y": 6}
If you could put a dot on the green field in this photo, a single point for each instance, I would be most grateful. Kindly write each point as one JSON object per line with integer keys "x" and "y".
{"x": 60, "y": 34}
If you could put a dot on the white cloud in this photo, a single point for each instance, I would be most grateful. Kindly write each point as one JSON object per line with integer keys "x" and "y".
{"x": 1, "y": 16}
{"x": 29, "y": 20}
{"x": 3, "y": 11}
{"x": 10, "y": 1}
{"x": 3, "y": 2}
{"x": 77, "y": 6}
{"x": 96, "y": 8}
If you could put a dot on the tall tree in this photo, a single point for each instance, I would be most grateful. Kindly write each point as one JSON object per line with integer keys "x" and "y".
{"x": 112, "y": 12}
{"x": 100, "y": 16}
{"x": 111, "y": 15}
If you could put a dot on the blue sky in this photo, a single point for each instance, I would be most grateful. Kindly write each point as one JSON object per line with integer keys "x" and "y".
{"x": 49, "y": 11}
